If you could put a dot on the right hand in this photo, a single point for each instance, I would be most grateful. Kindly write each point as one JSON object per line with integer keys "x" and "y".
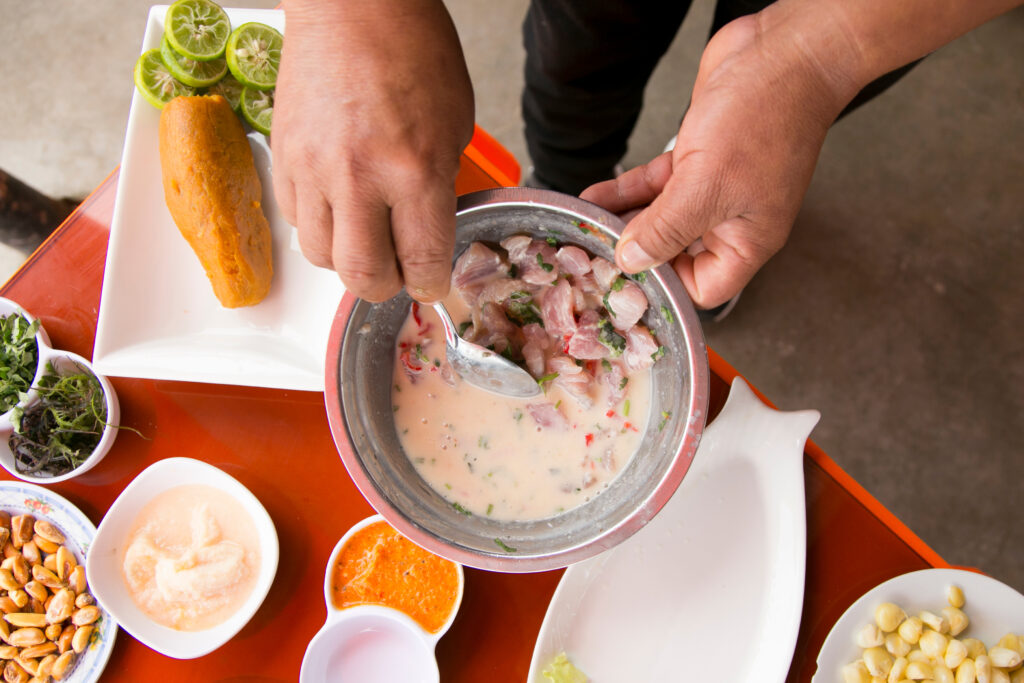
{"x": 373, "y": 109}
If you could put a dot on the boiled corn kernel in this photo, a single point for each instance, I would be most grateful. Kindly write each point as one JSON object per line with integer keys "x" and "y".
{"x": 983, "y": 669}
{"x": 956, "y": 652}
{"x": 889, "y": 616}
{"x": 942, "y": 674}
{"x": 919, "y": 671}
{"x": 878, "y": 661}
{"x": 896, "y": 646}
{"x": 1017, "y": 676}
{"x": 1002, "y": 657}
{"x": 870, "y": 636}
{"x": 933, "y": 644}
{"x": 1010, "y": 641}
{"x": 955, "y": 595}
{"x": 965, "y": 672}
{"x": 898, "y": 670}
{"x": 975, "y": 647}
{"x": 934, "y": 621}
{"x": 957, "y": 620}
{"x": 910, "y": 630}
{"x": 856, "y": 673}
{"x": 917, "y": 655}
{"x": 1000, "y": 676}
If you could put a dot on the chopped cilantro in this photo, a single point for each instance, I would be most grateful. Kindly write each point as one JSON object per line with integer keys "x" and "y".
{"x": 610, "y": 338}
{"x": 464, "y": 326}
{"x": 437, "y": 363}
{"x": 618, "y": 284}
{"x": 640, "y": 277}
{"x": 546, "y": 378}
{"x": 504, "y": 546}
{"x": 482, "y": 442}
{"x": 513, "y": 270}
{"x": 665, "y": 415}
{"x": 546, "y": 266}
{"x": 422, "y": 356}
{"x": 625, "y": 408}
{"x": 490, "y": 507}
{"x": 558, "y": 403}
{"x": 461, "y": 510}
{"x": 667, "y": 314}
{"x": 518, "y": 415}
{"x": 623, "y": 382}
{"x": 606, "y": 365}
{"x": 522, "y": 310}
{"x": 604, "y": 300}
{"x": 659, "y": 354}
{"x": 551, "y": 240}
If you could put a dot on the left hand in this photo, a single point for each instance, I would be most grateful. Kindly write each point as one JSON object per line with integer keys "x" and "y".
{"x": 743, "y": 159}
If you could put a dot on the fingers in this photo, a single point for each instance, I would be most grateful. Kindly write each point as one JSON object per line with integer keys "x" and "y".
{"x": 315, "y": 223}
{"x": 362, "y": 251}
{"x": 725, "y": 266}
{"x": 635, "y": 188}
{"x": 423, "y": 226}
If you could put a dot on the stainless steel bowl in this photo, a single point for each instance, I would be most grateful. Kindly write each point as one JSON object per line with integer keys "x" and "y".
{"x": 360, "y": 359}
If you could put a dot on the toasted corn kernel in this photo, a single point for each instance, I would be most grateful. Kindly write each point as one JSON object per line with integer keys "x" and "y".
{"x": 5, "y": 536}
{"x": 958, "y": 621}
{"x": 14, "y": 673}
{"x": 48, "y": 531}
{"x": 896, "y": 646}
{"x": 7, "y": 581}
{"x": 898, "y": 671}
{"x": 7, "y": 605}
{"x": 45, "y": 669}
{"x": 37, "y": 651}
{"x": 31, "y": 552}
{"x": 919, "y": 671}
{"x": 64, "y": 641}
{"x": 955, "y": 595}
{"x": 22, "y": 528}
{"x": 36, "y": 590}
{"x": 1004, "y": 657}
{"x": 20, "y": 570}
{"x": 29, "y": 665}
{"x": 53, "y": 631}
{"x": 84, "y": 600}
{"x": 8, "y": 652}
{"x": 934, "y": 621}
{"x": 933, "y": 644}
{"x": 50, "y": 562}
{"x": 5, "y": 632}
{"x": 63, "y": 665}
{"x": 80, "y": 641}
{"x": 61, "y": 607}
{"x": 956, "y": 652}
{"x": 85, "y": 616}
{"x": 26, "y": 637}
{"x": 77, "y": 579}
{"x": 889, "y": 616}
{"x": 9, "y": 549}
{"x": 65, "y": 562}
{"x": 46, "y": 577}
{"x": 983, "y": 669}
{"x": 878, "y": 661}
{"x": 19, "y": 597}
{"x": 23, "y": 619}
{"x": 856, "y": 672}
{"x": 35, "y": 606}
{"x": 45, "y": 546}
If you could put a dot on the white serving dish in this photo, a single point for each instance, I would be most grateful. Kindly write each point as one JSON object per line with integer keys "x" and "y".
{"x": 158, "y": 316}
{"x": 372, "y": 642}
{"x": 19, "y": 498}
{"x": 106, "y": 557}
{"x": 63, "y": 362}
{"x": 994, "y": 609}
{"x": 712, "y": 589}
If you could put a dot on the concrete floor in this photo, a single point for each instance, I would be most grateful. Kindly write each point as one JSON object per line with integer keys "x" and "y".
{"x": 895, "y": 309}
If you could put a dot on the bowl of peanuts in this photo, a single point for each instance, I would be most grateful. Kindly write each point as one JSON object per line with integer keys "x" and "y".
{"x": 52, "y": 627}
{"x": 941, "y": 625}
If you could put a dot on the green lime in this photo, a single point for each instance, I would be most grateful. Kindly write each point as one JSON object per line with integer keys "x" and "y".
{"x": 155, "y": 82}
{"x": 258, "y": 108}
{"x": 229, "y": 89}
{"x": 253, "y": 54}
{"x": 189, "y": 71}
{"x": 197, "y": 29}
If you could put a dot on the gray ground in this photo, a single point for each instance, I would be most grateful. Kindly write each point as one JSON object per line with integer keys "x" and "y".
{"x": 896, "y": 308}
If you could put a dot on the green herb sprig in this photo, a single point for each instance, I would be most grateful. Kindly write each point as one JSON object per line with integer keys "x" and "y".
{"x": 19, "y": 358}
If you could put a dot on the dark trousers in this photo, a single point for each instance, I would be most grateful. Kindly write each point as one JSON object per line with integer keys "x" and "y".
{"x": 587, "y": 64}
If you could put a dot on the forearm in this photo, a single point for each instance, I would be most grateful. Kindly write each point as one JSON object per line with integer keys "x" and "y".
{"x": 850, "y": 43}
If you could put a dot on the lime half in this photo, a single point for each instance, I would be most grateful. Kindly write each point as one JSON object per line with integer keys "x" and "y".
{"x": 189, "y": 71}
{"x": 155, "y": 82}
{"x": 197, "y": 29}
{"x": 229, "y": 89}
{"x": 253, "y": 54}
{"x": 258, "y": 108}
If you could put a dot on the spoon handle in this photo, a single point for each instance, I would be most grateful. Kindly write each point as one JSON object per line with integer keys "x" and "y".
{"x": 451, "y": 336}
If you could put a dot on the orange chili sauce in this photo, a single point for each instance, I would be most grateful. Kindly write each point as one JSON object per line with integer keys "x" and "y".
{"x": 379, "y": 566}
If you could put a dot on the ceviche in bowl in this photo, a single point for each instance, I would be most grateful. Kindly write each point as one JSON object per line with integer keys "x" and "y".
{"x": 513, "y": 484}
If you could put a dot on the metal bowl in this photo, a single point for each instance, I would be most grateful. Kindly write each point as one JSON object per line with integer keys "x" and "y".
{"x": 360, "y": 358}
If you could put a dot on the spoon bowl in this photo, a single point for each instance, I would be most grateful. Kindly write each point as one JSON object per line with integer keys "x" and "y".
{"x": 482, "y": 367}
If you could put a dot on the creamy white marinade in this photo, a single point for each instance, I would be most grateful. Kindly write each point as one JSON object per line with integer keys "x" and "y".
{"x": 516, "y": 459}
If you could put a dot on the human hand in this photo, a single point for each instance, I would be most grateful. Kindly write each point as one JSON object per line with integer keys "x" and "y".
{"x": 742, "y": 162}
{"x": 373, "y": 109}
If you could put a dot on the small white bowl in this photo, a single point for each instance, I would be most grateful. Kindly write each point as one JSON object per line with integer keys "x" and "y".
{"x": 7, "y": 307}
{"x": 372, "y": 642}
{"x": 106, "y": 556}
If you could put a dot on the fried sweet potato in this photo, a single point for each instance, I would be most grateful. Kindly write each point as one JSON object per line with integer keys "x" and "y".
{"x": 213, "y": 192}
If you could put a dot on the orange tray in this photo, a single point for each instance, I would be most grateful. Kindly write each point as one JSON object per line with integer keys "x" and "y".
{"x": 278, "y": 444}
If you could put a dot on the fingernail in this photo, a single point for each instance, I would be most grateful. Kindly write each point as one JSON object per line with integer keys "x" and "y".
{"x": 634, "y": 258}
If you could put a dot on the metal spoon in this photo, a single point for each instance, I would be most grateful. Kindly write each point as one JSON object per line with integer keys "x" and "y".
{"x": 482, "y": 367}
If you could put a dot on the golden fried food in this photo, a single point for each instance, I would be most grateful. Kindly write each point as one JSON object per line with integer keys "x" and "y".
{"x": 213, "y": 192}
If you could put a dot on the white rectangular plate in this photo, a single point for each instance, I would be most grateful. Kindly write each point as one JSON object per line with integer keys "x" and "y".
{"x": 159, "y": 318}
